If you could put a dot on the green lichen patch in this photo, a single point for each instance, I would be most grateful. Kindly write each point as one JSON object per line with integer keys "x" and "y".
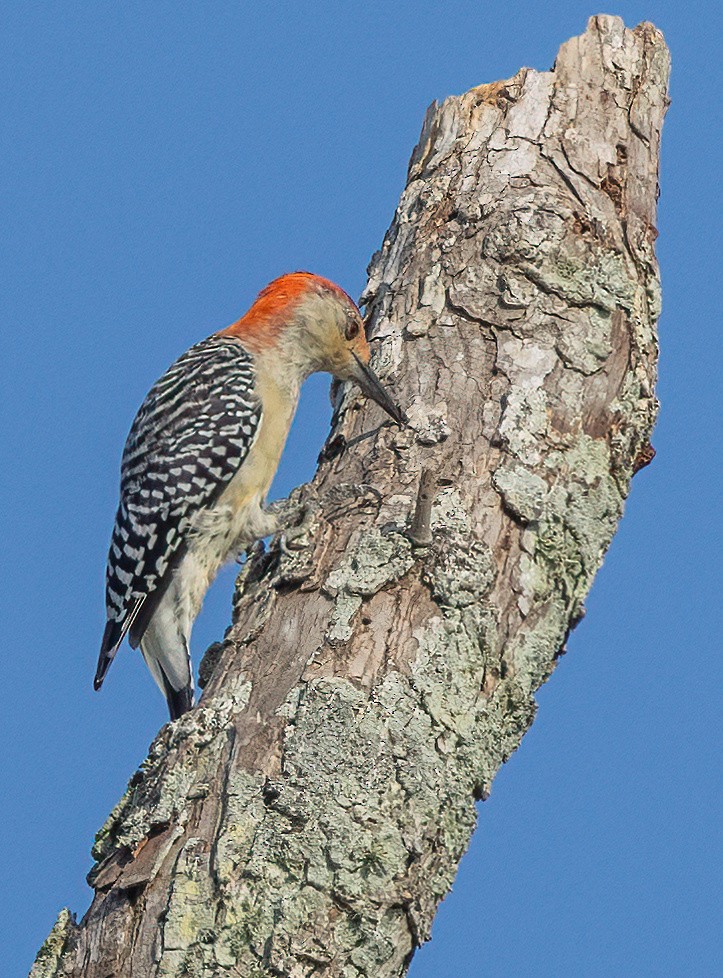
{"x": 523, "y": 492}
{"x": 500, "y": 724}
{"x": 584, "y": 342}
{"x": 531, "y": 654}
{"x": 49, "y": 958}
{"x": 151, "y": 799}
{"x": 244, "y": 808}
{"x": 450, "y": 668}
{"x": 374, "y": 560}
{"x": 461, "y": 574}
{"x": 524, "y": 423}
{"x": 190, "y": 918}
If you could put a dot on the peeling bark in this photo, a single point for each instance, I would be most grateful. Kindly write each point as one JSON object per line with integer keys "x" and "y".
{"x": 309, "y": 816}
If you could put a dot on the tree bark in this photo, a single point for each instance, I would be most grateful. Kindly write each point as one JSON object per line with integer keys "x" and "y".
{"x": 308, "y": 817}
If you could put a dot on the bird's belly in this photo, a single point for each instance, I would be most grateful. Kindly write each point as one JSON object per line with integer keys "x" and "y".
{"x": 221, "y": 532}
{"x": 237, "y": 518}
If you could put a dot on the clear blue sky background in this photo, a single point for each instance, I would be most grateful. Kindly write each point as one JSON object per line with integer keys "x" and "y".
{"x": 162, "y": 162}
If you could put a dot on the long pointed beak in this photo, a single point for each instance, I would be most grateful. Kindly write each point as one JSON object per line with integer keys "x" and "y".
{"x": 373, "y": 387}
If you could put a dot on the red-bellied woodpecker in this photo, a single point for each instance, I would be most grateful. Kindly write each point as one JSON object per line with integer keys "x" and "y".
{"x": 200, "y": 457}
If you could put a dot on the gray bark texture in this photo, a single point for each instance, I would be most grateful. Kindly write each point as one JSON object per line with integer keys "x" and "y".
{"x": 308, "y": 817}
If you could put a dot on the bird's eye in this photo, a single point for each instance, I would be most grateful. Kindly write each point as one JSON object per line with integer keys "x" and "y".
{"x": 352, "y": 329}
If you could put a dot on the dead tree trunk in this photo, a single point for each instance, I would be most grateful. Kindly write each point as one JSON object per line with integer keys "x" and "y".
{"x": 309, "y": 816}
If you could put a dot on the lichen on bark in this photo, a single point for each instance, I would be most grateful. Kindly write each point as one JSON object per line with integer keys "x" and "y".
{"x": 307, "y": 818}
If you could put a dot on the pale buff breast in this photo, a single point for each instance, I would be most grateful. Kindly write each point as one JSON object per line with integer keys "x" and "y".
{"x": 237, "y": 518}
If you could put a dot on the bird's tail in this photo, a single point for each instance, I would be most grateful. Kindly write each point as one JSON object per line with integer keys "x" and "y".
{"x": 169, "y": 662}
{"x": 179, "y": 701}
{"x": 112, "y": 638}
{"x": 115, "y": 632}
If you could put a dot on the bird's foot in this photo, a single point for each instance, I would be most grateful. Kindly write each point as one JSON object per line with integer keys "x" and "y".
{"x": 250, "y": 552}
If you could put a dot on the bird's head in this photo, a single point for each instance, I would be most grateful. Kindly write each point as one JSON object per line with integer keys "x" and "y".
{"x": 311, "y": 324}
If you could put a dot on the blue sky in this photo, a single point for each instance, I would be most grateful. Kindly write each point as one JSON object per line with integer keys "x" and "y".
{"x": 163, "y": 162}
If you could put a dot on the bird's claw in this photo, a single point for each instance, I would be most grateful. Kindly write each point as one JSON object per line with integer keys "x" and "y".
{"x": 251, "y": 552}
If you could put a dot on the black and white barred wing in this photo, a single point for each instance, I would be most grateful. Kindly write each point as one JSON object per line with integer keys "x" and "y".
{"x": 189, "y": 438}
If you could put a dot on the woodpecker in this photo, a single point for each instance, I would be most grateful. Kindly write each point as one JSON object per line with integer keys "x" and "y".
{"x": 200, "y": 458}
